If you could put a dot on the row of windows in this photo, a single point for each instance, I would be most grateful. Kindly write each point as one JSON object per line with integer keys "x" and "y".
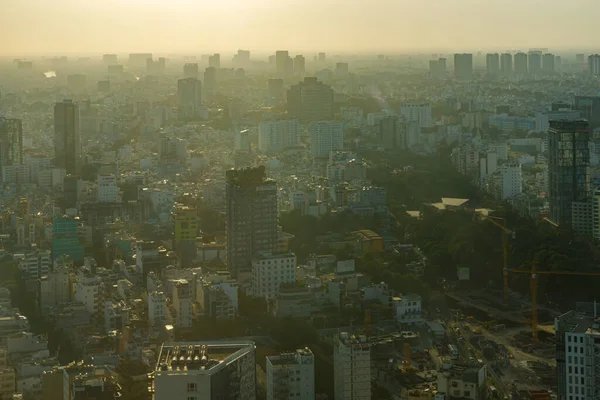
{"x": 575, "y": 339}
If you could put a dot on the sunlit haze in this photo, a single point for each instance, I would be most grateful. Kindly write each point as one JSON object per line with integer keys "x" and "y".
{"x": 186, "y": 26}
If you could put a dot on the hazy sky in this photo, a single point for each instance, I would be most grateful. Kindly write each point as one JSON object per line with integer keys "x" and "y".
{"x": 200, "y": 26}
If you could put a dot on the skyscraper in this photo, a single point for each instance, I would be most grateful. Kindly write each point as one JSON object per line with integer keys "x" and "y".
{"x": 11, "y": 142}
{"x": 325, "y": 137}
{"x": 210, "y": 82}
{"x": 206, "y": 370}
{"x": 534, "y": 62}
{"x": 214, "y": 61}
{"x": 594, "y": 64}
{"x": 352, "y": 367}
{"x": 463, "y": 66}
{"x": 251, "y": 217}
{"x": 277, "y": 135}
{"x": 190, "y": 70}
{"x": 506, "y": 64}
{"x": 548, "y": 63}
{"x": 521, "y": 64}
{"x": 189, "y": 97}
{"x": 492, "y": 63}
{"x": 67, "y": 147}
{"x": 299, "y": 65}
{"x": 241, "y": 59}
{"x": 568, "y": 167}
{"x": 281, "y": 57}
{"x": 310, "y": 100}
{"x": 276, "y": 91}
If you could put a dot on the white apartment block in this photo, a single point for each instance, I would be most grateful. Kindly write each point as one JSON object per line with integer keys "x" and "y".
{"x": 352, "y": 367}
{"x": 417, "y": 112}
{"x": 509, "y": 181}
{"x": 277, "y": 135}
{"x": 36, "y": 264}
{"x": 325, "y": 137}
{"x": 158, "y": 313}
{"x": 54, "y": 288}
{"x": 108, "y": 191}
{"x": 88, "y": 291}
{"x": 408, "y": 309}
{"x": 182, "y": 303}
{"x": 291, "y": 376}
{"x": 270, "y": 271}
{"x": 210, "y": 370}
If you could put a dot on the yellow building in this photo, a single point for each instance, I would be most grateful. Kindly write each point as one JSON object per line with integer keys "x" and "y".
{"x": 370, "y": 242}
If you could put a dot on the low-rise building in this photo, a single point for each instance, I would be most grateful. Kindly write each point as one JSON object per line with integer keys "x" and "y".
{"x": 408, "y": 309}
{"x": 462, "y": 381}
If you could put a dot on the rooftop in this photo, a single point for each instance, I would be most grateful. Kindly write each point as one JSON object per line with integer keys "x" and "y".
{"x": 200, "y": 357}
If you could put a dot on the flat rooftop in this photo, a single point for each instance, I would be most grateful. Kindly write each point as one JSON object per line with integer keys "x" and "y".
{"x": 200, "y": 357}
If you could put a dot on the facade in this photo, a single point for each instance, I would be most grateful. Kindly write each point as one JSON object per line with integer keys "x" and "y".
{"x": 158, "y": 313}
{"x": 594, "y": 64}
{"x": 67, "y": 146}
{"x": 420, "y": 113}
{"x": 352, "y": 367}
{"x": 534, "y": 62}
{"x": 521, "y": 64}
{"x": 251, "y": 217}
{"x": 88, "y": 291}
{"x": 277, "y": 135}
{"x": 577, "y": 341}
{"x": 310, "y": 100}
{"x": 54, "y": 288}
{"x": 492, "y": 63}
{"x": 65, "y": 240}
{"x": 182, "y": 303}
{"x": 7, "y": 383}
{"x": 205, "y": 371}
{"x": 281, "y": 57}
{"x": 596, "y": 213}
{"x": 35, "y": 264}
{"x": 189, "y": 97}
{"x": 463, "y": 66}
{"x": 408, "y": 309}
{"x": 582, "y": 218}
{"x": 185, "y": 221}
{"x": 462, "y": 382}
{"x": 506, "y": 64}
{"x": 11, "y": 142}
{"x": 569, "y": 170}
{"x": 218, "y": 299}
{"x": 108, "y": 191}
{"x": 291, "y": 375}
{"x": 325, "y": 137}
{"x": 270, "y": 272}
{"x": 509, "y": 183}
{"x": 190, "y": 70}
{"x": 548, "y": 63}
{"x": 589, "y": 106}
{"x": 299, "y": 65}
{"x": 210, "y": 82}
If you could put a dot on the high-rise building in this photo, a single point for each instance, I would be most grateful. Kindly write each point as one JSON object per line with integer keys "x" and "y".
{"x": 210, "y": 82}
{"x": 214, "y": 61}
{"x": 341, "y": 69}
{"x": 391, "y": 133}
{"x": 11, "y": 142}
{"x": 325, "y": 137}
{"x": 291, "y": 375}
{"x": 109, "y": 59}
{"x": 189, "y": 97}
{"x": 437, "y": 68}
{"x": 288, "y": 69}
{"x": 277, "y": 135}
{"x": 251, "y": 217}
{"x": 322, "y": 57}
{"x": 190, "y": 70}
{"x": 418, "y": 112}
{"x": 310, "y": 100}
{"x": 281, "y": 57}
{"x": 577, "y": 354}
{"x": 492, "y": 63}
{"x": 271, "y": 271}
{"x": 548, "y": 63}
{"x": 568, "y": 167}
{"x": 108, "y": 190}
{"x": 521, "y": 68}
{"x": 506, "y": 64}
{"x": 596, "y": 213}
{"x": 594, "y": 64}
{"x": 182, "y": 303}
{"x": 534, "y": 62}
{"x": 206, "y": 370}
{"x": 67, "y": 147}
{"x": 352, "y": 367}
{"x": 65, "y": 240}
{"x": 589, "y": 106}
{"x": 509, "y": 181}
{"x": 463, "y": 66}
{"x": 299, "y": 65}
{"x": 241, "y": 59}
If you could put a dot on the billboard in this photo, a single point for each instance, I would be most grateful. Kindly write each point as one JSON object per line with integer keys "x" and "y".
{"x": 344, "y": 267}
{"x": 464, "y": 273}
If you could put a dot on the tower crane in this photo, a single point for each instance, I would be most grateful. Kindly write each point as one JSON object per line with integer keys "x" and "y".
{"x": 533, "y": 286}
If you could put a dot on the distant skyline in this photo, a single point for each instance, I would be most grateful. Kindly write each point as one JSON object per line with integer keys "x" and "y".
{"x": 31, "y": 27}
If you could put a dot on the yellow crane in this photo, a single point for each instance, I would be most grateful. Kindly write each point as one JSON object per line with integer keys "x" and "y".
{"x": 533, "y": 286}
{"x": 500, "y": 223}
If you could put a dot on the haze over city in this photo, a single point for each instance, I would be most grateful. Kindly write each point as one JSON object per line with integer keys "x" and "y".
{"x": 187, "y": 26}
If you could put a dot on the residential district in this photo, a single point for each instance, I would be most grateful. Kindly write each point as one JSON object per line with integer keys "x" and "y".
{"x": 154, "y": 216}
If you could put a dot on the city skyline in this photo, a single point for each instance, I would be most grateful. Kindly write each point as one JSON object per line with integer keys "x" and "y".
{"x": 181, "y": 26}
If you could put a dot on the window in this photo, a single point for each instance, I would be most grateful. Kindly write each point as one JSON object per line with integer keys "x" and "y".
{"x": 192, "y": 387}
{"x": 467, "y": 393}
{"x": 581, "y": 339}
